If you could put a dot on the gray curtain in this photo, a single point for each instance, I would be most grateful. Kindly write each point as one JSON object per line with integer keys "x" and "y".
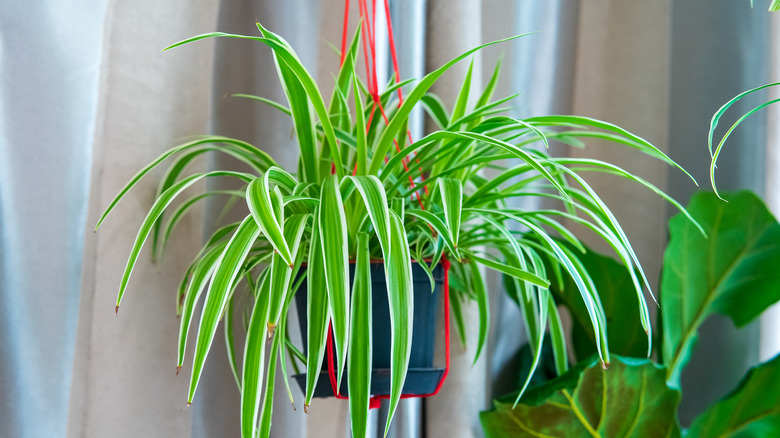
{"x": 88, "y": 99}
{"x": 49, "y": 80}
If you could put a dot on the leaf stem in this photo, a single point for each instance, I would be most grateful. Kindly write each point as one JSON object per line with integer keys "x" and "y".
{"x": 579, "y": 415}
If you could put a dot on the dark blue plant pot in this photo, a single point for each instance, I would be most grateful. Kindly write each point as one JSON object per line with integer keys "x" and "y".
{"x": 422, "y": 377}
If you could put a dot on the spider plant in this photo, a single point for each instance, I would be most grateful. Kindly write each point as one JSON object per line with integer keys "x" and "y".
{"x": 362, "y": 191}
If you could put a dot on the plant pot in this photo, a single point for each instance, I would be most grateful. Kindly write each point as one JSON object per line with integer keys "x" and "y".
{"x": 422, "y": 377}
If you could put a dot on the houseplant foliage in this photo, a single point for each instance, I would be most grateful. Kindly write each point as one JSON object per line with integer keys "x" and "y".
{"x": 732, "y": 272}
{"x": 361, "y": 191}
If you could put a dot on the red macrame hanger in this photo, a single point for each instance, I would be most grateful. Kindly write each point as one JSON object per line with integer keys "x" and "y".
{"x": 368, "y": 36}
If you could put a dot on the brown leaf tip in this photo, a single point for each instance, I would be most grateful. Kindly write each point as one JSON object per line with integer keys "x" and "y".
{"x": 178, "y": 368}
{"x": 116, "y": 311}
{"x": 271, "y": 330}
{"x": 305, "y": 408}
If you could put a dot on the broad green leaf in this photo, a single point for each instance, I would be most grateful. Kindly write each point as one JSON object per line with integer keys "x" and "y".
{"x": 333, "y": 240}
{"x": 751, "y": 410}
{"x": 733, "y": 273}
{"x": 360, "y": 342}
{"x": 399, "y": 294}
{"x": 452, "y": 202}
{"x": 261, "y": 204}
{"x": 629, "y": 399}
{"x": 160, "y": 204}
{"x": 775, "y": 6}
{"x": 216, "y": 298}
{"x": 254, "y": 360}
{"x": 316, "y": 312}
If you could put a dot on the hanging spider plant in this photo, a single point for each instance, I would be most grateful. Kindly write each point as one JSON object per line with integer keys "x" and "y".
{"x": 350, "y": 200}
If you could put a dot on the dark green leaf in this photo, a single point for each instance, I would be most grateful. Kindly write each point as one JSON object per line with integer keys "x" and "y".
{"x": 751, "y": 410}
{"x": 629, "y": 399}
{"x": 733, "y": 273}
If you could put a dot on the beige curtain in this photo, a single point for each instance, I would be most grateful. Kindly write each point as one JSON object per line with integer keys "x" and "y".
{"x": 611, "y": 59}
{"x": 124, "y": 383}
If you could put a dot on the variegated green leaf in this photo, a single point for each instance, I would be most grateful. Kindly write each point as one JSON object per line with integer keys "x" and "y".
{"x": 270, "y": 380}
{"x": 333, "y": 239}
{"x": 452, "y": 202}
{"x": 478, "y": 287}
{"x": 200, "y": 277}
{"x": 160, "y": 204}
{"x": 360, "y": 342}
{"x": 254, "y": 360}
{"x": 261, "y": 204}
{"x": 216, "y": 298}
{"x": 509, "y": 270}
{"x": 316, "y": 311}
{"x": 399, "y": 293}
{"x": 375, "y": 200}
{"x": 281, "y": 273}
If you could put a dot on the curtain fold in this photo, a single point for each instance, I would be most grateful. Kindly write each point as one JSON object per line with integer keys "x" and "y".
{"x": 451, "y": 413}
{"x": 49, "y": 72}
{"x": 87, "y": 99}
{"x": 124, "y": 381}
{"x": 719, "y": 49}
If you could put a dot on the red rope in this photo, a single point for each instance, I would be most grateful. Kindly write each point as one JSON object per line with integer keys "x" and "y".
{"x": 368, "y": 36}
{"x": 344, "y": 33}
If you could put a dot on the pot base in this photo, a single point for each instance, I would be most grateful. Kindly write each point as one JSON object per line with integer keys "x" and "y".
{"x": 418, "y": 381}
